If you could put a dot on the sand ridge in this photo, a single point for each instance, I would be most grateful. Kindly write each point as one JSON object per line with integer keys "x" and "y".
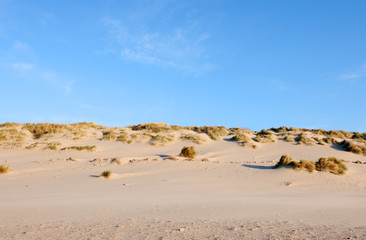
{"x": 55, "y": 193}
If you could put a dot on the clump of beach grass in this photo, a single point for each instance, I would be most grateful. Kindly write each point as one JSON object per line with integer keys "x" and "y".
{"x": 241, "y": 137}
{"x": 265, "y": 138}
{"x": 188, "y": 152}
{"x": 80, "y": 148}
{"x": 303, "y": 138}
{"x": 289, "y": 139}
{"x": 152, "y": 127}
{"x": 353, "y": 147}
{"x": 123, "y": 136}
{"x": 106, "y": 174}
{"x": 40, "y": 129}
{"x": 304, "y": 164}
{"x": 194, "y": 138}
{"x": 332, "y": 165}
{"x": 4, "y": 169}
{"x": 11, "y": 134}
{"x": 214, "y": 132}
{"x": 285, "y": 160}
{"x": 109, "y": 135}
{"x": 52, "y": 146}
{"x": 161, "y": 139}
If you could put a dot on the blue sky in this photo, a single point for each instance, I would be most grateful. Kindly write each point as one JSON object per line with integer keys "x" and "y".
{"x": 253, "y": 64}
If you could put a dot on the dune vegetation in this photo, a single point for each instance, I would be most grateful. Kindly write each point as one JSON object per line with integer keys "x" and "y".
{"x": 106, "y": 174}
{"x": 4, "y": 169}
{"x": 330, "y": 164}
{"x": 80, "y": 148}
{"x": 188, "y": 152}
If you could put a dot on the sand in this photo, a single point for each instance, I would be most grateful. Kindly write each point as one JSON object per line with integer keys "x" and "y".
{"x": 234, "y": 195}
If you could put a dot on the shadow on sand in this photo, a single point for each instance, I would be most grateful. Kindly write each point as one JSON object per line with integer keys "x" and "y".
{"x": 257, "y": 166}
{"x": 94, "y": 176}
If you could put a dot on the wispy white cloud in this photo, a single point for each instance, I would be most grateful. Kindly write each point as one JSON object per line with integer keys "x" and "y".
{"x": 22, "y": 66}
{"x": 32, "y": 71}
{"x": 359, "y": 73}
{"x": 181, "y": 48}
{"x": 21, "y": 46}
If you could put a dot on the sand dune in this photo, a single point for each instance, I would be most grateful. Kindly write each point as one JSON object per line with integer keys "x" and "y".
{"x": 153, "y": 193}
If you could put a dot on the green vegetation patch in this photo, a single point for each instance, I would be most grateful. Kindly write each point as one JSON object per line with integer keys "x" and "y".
{"x": 80, "y": 148}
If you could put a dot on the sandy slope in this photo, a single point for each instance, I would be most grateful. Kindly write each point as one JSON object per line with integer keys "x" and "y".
{"x": 235, "y": 195}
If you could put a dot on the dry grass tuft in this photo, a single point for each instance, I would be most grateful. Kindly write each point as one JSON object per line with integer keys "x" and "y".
{"x": 214, "y": 132}
{"x": 162, "y": 140}
{"x": 152, "y": 127}
{"x": 241, "y": 137}
{"x": 285, "y": 160}
{"x": 106, "y": 174}
{"x": 4, "y": 169}
{"x": 80, "y": 148}
{"x": 194, "y": 138}
{"x": 332, "y": 165}
{"x": 109, "y": 135}
{"x": 265, "y": 138}
{"x": 304, "y": 164}
{"x": 52, "y": 146}
{"x": 303, "y": 138}
{"x": 11, "y": 134}
{"x": 289, "y": 139}
{"x": 40, "y": 129}
{"x": 353, "y": 147}
{"x": 123, "y": 136}
{"x": 188, "y": 152}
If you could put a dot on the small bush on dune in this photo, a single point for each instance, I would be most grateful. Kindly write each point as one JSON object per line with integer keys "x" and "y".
{"x": 285, "y": 160}
{"x": 214, "y": 132}
{"x": 320, "y": 141}
{"x": 332, "y": 165}
{"x": 123, "y": 137}
{"x": 188, "y": 152}
{"x": 353, "y": 147}
{"x": 304, "y": 164}
{"x": 304, "y": 139}
{"x": 241, "y": 137}
{"x": 162, "y": 139}
{"x": 109, "y": 135}
{"x": 11, "y": 134}
{"x": 4, "y": 169}
{"x": 289, "y": 139}
{"x": 359, "y": 136}
{"x": 265, "y": 138}
{"x": 106, "y": 174}
{"x": 40, "y": 129}
{"x": 152, "y": 127}
{"x": 194, "y": 138}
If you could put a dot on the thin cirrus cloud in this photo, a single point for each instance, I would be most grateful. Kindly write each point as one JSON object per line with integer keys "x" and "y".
{"x": 178, "y": 49}
{"x": 358, "y": 74}
{"x": 30, "y": 71}
{"x": 22, "y": 66}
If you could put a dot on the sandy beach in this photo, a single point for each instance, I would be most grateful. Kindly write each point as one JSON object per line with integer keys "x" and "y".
{"x": 229, "y": 190}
